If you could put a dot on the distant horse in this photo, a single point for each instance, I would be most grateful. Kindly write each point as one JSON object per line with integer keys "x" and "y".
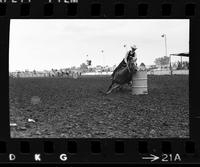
{"x": 123, "y": 76}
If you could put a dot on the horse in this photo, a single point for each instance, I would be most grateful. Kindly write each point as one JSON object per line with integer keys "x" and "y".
{"x": 123, "y": 76}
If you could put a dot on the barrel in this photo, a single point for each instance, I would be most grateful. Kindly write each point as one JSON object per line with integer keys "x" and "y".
{"x": 139, "y": 83}
{"x": 75, "y": 75}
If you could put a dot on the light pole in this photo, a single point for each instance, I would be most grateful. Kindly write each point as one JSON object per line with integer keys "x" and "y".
{"x": 86, "y": 58}
{"x": 125, "y": 46}
{"x": 102, "y": 57}
{"x": 165, "y": 37}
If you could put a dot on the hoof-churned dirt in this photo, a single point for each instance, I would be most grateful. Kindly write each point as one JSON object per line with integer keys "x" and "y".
{"x": 78, "y": 108}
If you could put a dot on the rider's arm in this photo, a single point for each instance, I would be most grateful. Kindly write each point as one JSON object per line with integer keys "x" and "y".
{"x": 126, "y": 56}
{"x": 135, "y": 57}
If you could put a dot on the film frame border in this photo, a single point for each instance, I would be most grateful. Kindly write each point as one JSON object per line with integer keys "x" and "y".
{"x": 163, "y": 9}
{"x": 102, "y": 150}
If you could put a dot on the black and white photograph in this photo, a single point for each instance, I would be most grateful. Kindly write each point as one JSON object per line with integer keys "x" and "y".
{"x": 105, "y": 78}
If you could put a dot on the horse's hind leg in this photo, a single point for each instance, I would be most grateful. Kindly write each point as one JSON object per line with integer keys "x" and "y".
{"x": 120, "y": 88}
{"x": 111, "y": 88}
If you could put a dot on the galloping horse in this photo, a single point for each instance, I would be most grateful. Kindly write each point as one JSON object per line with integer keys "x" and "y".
{"x": 123, "y": 76}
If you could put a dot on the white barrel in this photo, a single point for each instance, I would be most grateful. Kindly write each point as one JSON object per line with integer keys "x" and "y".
{"x": 139, "y": 83}
{"x": 75, "y": 75}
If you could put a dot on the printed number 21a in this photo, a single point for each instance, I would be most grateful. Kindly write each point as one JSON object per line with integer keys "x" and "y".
{"x": 170, "y": 158}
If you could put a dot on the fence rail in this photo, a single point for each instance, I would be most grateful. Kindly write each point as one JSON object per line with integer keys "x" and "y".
{"x": 167, "y": 72}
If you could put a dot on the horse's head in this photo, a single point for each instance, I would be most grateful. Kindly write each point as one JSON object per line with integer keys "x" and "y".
{"x": 132, "y": 64}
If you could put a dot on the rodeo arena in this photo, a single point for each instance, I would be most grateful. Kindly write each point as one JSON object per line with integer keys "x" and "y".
{"x": 137, "y": 101}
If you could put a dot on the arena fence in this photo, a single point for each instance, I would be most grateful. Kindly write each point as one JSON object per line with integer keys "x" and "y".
{"x": 167, "y": 72}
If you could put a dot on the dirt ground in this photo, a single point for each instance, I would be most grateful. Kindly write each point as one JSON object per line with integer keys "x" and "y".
{"x": 77, "y": 108}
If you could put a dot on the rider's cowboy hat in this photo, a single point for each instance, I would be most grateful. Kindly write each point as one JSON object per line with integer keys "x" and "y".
{"x": 134, "y": 47}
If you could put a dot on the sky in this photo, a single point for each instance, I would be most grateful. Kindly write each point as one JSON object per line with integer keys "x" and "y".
{"x": 46, "y": 44}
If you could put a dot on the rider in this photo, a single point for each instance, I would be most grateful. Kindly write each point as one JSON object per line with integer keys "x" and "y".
{"x": 130, "y": 53}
